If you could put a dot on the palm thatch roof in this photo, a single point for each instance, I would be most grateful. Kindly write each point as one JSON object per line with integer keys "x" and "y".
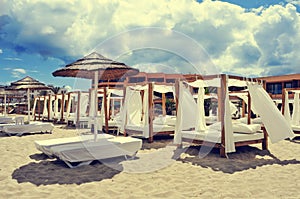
{"x": 86, "y": 66}
{"x": 27, "y": 82}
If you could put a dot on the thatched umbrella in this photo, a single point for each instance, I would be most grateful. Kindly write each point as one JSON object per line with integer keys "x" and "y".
{"x": 28, "y": 83}
{"x": 96, "y": 67}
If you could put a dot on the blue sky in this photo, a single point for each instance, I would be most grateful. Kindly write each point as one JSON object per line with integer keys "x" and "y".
{"x": 247, "y": 38}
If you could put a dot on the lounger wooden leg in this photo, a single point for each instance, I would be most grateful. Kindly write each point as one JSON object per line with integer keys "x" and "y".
{"x": 265, "y": 141}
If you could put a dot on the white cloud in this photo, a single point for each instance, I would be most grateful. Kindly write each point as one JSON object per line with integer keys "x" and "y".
{"x": 1, "y": 51}
{"x": 18, "y": 72}
{"x": 261, "y": 40}
{"x": 12, "y": 59}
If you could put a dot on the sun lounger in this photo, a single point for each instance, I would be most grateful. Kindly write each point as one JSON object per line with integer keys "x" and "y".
{"x": 45, "y": 145}
{"x": 33, "y": 127}
{"x": 83, "y": 153}
{"x": 6, "y": 120}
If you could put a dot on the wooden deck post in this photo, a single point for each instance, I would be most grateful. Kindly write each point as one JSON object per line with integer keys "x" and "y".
{"x": 105, "y": 109}
{"x": 249, "y": 109}
{"x": 150, "y": 111}
{"x": 222, "y": 113}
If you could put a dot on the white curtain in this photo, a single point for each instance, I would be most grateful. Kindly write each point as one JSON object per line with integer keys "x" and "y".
{"x": 229, "y": 141}
{"x": 200, "y": 116}
{"x": 45, "y": 107}
{"x": 34, "y": 107}
{"x": 275, "y": 124}
{"x": 134, "y": 107}
{"x": 296, "y": 110}
{"x": 187, "y": 108}
{"x": 287, "y": 113}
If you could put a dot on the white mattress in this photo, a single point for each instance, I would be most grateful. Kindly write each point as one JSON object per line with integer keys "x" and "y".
{"x": 45, "y": 145}
{"x": 215, "y": 136}
{"x": 28, "y": 128}
{"x": 156, "y": 128}
{"x": 101, "y": 149}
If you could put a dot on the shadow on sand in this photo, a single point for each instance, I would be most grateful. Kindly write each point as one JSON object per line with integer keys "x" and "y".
{"x": 246, "y": 157}
{"x": 52, "y": 171}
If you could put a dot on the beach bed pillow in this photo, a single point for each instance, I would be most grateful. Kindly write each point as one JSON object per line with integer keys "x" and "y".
{"x": 245, "y": 128}
{"x": 160, "y": 120}
{"x": 171, "y": 120}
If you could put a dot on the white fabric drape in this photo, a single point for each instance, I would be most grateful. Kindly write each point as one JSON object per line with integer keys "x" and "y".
{"x": 134, "y": 107}
{"x": 287, "y": 113}
{"x": 34, "y": 106}
{"x": 229, "y": 141}
{"x": 200, "y": 116}
{"x": 296, "y": 110}
{"x": 275, "y": 124}
{"x": 45, "y": 107}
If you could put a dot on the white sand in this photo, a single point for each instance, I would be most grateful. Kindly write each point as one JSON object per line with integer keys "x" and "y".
{"x": 249, "y": 173}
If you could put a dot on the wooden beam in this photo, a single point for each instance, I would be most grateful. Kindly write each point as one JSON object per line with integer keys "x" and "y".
{"x": 150, "y": 111}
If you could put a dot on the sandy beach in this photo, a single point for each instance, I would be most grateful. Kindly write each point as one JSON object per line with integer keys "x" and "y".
{"x": 160, "y": 171}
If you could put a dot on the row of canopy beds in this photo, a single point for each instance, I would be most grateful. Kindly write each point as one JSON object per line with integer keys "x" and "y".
{"x": 137, "y": 116}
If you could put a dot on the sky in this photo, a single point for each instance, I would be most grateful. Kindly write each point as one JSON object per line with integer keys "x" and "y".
{"x": 247, "y": 38}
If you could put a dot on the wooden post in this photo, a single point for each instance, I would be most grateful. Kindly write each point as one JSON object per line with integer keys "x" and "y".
{"x": 249, "y": 109}
{"x": 62, "y": 108}
{"x": 150, "y": 111}
{"x": 265, "y": 141}
{"x": 39, "y": 107}
{"x": 243, "y": 108}
{"x": 78, "y": 109}
{"x": 105, "y": 109}
{"x": 164, "y": 104}
{"x": 283, "y": 101}
{"x": 222, "y": 113}
{"x": 49, "y": 107}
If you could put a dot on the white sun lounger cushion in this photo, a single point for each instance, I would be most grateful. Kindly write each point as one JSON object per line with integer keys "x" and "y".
{"x": 28, "y": 128}
{"x": 101, "y": 149}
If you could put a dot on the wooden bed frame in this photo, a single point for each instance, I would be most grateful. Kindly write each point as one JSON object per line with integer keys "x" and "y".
{"x": 151, "y": 116}
{"x": 221, "y": 113}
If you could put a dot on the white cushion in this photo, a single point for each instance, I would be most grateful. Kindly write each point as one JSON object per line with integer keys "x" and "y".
{"x": 245, "y": 128}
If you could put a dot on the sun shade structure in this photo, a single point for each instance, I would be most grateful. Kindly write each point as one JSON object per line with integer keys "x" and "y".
{"x": 96, "y": 67}
{"x": 85, "y": 67}
{"x": 28, "y": 83}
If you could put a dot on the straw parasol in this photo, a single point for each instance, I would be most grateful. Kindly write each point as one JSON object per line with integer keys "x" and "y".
{"x": 96, "y": 67}
{"x": 28, "y": 83}
{"x": 86, "y": 66}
